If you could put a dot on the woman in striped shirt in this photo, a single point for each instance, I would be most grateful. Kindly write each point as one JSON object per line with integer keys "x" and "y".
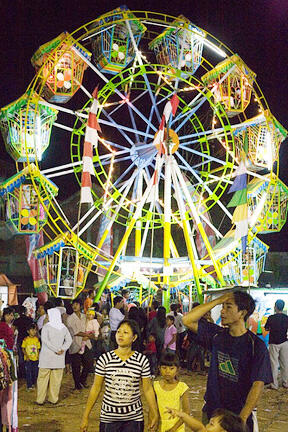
{"x": 122, "y": 370}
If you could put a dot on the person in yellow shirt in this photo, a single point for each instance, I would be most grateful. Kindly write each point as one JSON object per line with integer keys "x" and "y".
{"x": 170, "y": 392}
{"x": 31, "y": 347}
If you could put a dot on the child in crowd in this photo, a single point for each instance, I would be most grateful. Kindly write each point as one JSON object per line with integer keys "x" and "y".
{"x": 221, "y": 421}
{"x": 31, "y": 347}
{"x": 103, "y": 343}
{"x": 151, "y": 353}
{"x": 170, "y": 392}
{"x": 170, "y": 335}
{"x": 92, "y": 328}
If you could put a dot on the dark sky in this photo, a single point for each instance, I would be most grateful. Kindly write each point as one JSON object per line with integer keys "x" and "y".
{"x": 255, "y": 29}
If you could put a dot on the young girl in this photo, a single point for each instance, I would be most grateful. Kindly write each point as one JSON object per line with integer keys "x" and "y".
{"x": 170, "y": 335}
{"x": 122, "y": 370}
{"x": 170, "y": 392}
{"x": 221, "y": 421}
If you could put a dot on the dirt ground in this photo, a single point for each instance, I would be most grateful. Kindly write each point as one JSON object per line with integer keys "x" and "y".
{"x": 66, "y": 415}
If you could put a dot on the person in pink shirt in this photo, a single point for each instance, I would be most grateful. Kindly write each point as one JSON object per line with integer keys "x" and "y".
{"x": 170, "y": 335}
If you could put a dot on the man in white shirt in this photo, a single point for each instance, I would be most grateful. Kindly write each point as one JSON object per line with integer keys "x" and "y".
{"x": 76, "y": 324}
{"x": 115, "y": 317}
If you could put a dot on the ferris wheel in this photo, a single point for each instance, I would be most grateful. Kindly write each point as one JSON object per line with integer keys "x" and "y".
{"x": 176, "y": 117}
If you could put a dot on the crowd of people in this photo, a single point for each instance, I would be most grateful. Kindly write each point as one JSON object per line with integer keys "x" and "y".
{"x": 126, "y": 345}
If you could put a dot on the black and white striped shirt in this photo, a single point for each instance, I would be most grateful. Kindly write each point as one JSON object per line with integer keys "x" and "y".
{"x": 121, "y": 400}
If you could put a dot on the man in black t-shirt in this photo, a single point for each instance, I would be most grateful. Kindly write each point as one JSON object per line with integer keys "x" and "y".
{"x": 277, "y": 325}
{"x": 240, "y": 364}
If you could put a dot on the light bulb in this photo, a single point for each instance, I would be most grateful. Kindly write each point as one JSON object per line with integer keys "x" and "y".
{"x": 60, "y": 76}
{"x": 67, "y": 84}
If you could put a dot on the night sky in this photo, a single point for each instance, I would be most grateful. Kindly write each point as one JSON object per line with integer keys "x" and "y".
{"x": 256, "y": 30}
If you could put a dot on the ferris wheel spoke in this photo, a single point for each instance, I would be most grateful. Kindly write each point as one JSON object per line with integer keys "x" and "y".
{"x": 124, "y": 189}
{"x": 212, "y": 179}
{"x": 124, "y": 174}
{"x": 116, "y": 145}
{"x": 205, "y": 135}
{"x": 179, "y": 177}
{"x": 195, "y": 102}
{"x": 139, "y": 59}
{"x": 118, "y": 92}
{"x": 153, "y": 106}
{"x": 133, "y": 124}
{"x": 120, "y": 128}
{"x": 190, "y": 114}
{"x": 123, "y": 128}
{"x": 206, "y": 156}
{"x": 206, "y": 187}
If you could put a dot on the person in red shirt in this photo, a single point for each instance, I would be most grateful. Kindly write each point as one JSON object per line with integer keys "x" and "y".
{"x": 151, "y": 353}
{"x": 6, "y": 331}
{"x": 153, "y": 311}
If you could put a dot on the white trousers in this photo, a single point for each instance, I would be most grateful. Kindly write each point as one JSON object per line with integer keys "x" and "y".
{"x": 279, "y": 356}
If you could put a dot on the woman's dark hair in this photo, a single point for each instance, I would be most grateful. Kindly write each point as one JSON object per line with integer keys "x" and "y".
{"x": 133, "y": 314}
{"x": 173, "y": 308}
{"x": 161, "y": 316}
{"x": 229, "y": 421}
{"x": 169, "y": 359}
{"x": 135, "y": 330}
{"x": 6, "y": 311}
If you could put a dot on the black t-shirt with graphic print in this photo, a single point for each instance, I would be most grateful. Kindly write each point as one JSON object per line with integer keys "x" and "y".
{"x": 236, "y": 362}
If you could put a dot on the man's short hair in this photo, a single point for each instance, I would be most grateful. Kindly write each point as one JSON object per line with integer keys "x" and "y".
{"x": 244, "y": 301}
{"x": 77, "y": 300}
{"x": 117, "y": 299}
{"x": 279, "y": 304}
{"x": 48, "y": 305}
{"x": 58, "y": 301}
{"x": 32, "y": 326}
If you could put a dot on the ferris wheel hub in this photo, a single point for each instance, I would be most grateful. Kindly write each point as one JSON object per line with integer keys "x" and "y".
{"x": 170, "y": 142}
{"x": 141, "y": 154}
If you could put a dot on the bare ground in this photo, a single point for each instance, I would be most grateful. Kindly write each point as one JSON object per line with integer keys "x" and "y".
{"x": 66, "y": 415}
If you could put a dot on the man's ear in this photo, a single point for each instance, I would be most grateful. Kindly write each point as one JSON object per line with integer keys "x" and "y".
{"x": 135, "y": 337}
{"x": 243, "y": 313}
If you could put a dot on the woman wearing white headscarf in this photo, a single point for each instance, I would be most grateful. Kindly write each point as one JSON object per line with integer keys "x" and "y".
{"x": 56, "y": 340}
